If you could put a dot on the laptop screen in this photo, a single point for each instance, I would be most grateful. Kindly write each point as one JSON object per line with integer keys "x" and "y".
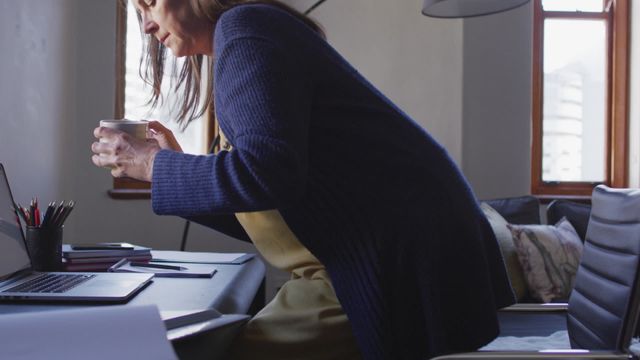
{"x": 13, "y": 253}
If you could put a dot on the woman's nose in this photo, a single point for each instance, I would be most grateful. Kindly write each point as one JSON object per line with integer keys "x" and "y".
{"x": 148, "y": 25}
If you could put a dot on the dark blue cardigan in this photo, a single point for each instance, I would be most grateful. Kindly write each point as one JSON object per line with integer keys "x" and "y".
{"x": 380, "y": 203}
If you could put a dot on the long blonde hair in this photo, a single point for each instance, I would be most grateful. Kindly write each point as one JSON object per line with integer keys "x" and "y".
{"x": 189, "y": 77}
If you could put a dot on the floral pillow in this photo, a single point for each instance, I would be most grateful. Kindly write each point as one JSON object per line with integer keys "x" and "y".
{"x": 549, "y": 256}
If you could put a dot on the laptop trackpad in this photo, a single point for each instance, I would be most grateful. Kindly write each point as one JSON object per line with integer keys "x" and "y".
{"x": 113, "y": 284}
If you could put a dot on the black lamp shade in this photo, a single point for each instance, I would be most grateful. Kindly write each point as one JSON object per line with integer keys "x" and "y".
{"x": 467, "y": 8}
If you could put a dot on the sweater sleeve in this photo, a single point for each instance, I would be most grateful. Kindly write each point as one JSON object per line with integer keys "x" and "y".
{"x": 262, "y": 99}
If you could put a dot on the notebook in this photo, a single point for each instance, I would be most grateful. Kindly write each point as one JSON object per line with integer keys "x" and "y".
{"x": 19, "y": 282}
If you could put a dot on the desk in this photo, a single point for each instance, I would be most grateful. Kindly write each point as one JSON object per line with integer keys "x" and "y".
{"x": 234, "y": 289}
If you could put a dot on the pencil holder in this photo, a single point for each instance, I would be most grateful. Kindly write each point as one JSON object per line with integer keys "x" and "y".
{"x": 45, "y": 247}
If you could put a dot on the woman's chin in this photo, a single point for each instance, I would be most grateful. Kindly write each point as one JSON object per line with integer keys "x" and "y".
{"x": 177, "y": 52}
{"x": 181, "y": 51}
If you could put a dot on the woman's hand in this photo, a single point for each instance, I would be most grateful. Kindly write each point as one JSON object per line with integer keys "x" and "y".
{"x": 164, "y": 136}
{"x": 124, "y": 154}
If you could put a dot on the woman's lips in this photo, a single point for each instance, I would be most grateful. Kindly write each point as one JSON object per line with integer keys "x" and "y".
{"x": 164, "y": 38}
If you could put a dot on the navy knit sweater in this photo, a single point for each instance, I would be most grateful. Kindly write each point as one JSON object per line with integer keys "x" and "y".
{"x": 413, "y": 261}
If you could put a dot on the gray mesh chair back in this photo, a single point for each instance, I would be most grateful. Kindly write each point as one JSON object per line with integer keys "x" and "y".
{"x": 603, "y": 307}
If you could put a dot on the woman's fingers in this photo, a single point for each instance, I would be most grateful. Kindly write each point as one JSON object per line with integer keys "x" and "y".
{"x": 157, "y": 126}
{"x": 99, "y": 147}
{"x": 111, "y": 148}
{"x": 103, "y": 154}
{"x": 102, "y": 131}
{"x": 96, "y": 132}
{"x": 164, "y": 136}
{"x": 118, "y": 172}
{"x": 100, "y": 161}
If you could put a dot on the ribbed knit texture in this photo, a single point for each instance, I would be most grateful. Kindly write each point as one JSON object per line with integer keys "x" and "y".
{"x": 413, "y": 261}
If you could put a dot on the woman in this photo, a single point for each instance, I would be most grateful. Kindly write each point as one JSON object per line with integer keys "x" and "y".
{"x": 330, "y": 180}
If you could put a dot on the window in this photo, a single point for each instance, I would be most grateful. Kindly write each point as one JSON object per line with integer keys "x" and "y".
{"x": 580, "y": 71}
{"x": 132, "y": 94}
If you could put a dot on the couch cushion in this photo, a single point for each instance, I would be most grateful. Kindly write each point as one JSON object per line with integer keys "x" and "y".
{"x": 576, "y": 213}
{"x": 517, "y": 210}
{"x": 549, "y": 256}
{"x": 505, "y": 241}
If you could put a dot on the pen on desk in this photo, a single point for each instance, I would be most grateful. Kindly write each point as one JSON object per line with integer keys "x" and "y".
{"x": 157, "y": 266}
{"x": 66, "y": 210}
{"x": 57, "y": 213}
{"x": 32, "y": 213}
{"x": 115, "y": 266}
{"x": 101, "y": 247}
{"x": 47, "y": 215}
{"x": 20, "y": 213}
{"x": 36, "y": 213}
{"x": 25, "y": 215}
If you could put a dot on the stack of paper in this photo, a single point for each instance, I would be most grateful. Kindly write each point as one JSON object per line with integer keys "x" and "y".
{"x": 101, "y": 256}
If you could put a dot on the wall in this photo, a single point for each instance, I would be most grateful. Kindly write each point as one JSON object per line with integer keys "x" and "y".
{"x": 36, "y": 72}
{"x": 414, "y": 60}
{"x": 497, "y": 103}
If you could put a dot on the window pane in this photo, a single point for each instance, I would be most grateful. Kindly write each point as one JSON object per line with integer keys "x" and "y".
{"x": 574, "y": 105}
{"x": 573, "y": 5}
{"x": 137, "y": 93}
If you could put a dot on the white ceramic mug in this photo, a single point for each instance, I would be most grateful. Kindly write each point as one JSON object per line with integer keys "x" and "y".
{"x": 135, "y": 128}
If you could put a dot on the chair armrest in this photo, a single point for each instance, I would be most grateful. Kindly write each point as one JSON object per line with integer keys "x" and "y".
{"x": 532, "y": 355}
{"x": 548, "y": 307}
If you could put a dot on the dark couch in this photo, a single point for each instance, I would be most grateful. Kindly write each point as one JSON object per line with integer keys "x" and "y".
{"x": 526, "y": 210}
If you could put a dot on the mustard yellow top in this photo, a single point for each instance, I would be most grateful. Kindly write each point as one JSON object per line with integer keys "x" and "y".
{"x": 304, "y": 320}
{"x": 271, "y": 235}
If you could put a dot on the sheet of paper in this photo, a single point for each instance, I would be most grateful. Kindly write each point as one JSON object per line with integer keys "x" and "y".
{"x": 97, "y": 333}
{"x": 183, "y": 270}
{"x": 201, "y": 257}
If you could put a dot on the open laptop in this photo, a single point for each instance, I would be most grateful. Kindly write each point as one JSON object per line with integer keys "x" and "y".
{"x": 18, "y": 281}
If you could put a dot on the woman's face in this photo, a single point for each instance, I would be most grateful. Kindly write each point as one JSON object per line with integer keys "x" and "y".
{"x": 174, "y": 24}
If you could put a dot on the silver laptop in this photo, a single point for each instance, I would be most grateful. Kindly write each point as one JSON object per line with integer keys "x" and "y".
{"x": 18, "y": 281}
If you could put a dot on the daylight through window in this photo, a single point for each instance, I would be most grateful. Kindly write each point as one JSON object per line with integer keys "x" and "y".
{"x": 579, "y": 95}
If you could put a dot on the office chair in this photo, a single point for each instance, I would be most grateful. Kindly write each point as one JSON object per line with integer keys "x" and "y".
{"x": 602, "y": 313}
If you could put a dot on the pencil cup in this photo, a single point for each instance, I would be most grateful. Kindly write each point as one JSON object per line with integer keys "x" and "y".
{"x": 45, "y": 247}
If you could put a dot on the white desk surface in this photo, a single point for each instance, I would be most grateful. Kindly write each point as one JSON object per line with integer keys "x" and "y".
{"x": 230, "y": 291}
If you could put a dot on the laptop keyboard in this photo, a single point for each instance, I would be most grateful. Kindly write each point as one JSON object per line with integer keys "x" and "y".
{"x": 51, "y": 283}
